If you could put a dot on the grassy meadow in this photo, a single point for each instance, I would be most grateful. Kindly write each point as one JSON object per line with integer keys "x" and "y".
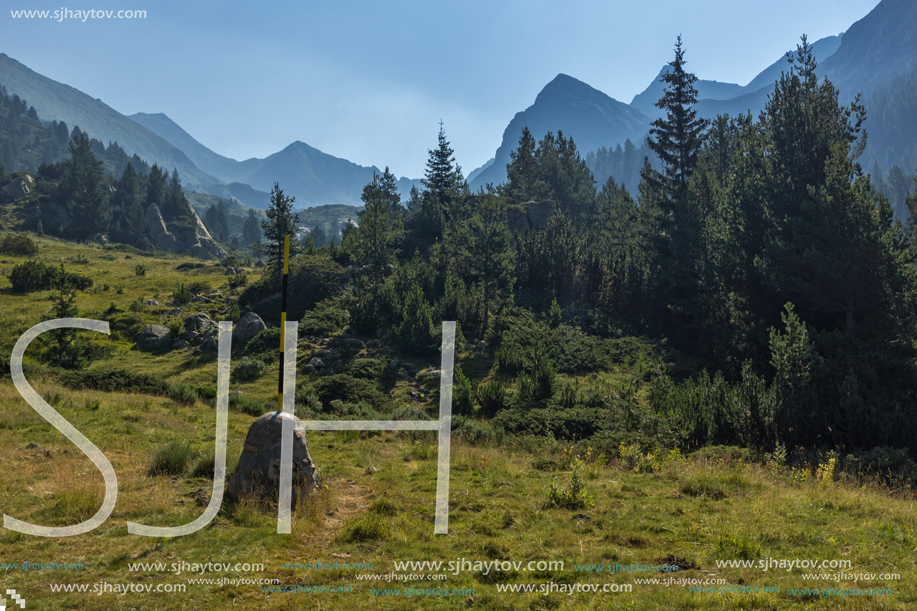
{"x": 376, "y": 504}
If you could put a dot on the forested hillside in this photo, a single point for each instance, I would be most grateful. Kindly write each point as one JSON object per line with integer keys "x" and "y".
{"x": 758, "y": 275}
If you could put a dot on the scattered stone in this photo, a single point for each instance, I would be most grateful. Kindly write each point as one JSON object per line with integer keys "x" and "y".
{"x": 179, "y": 344}
{"x": 230, "y": 271}
{"x": 581, "y": 516}
{"x": 248, "y": 327}
{"x": 371, "y": 469}
{"x": 175, "y": 312}
{"x": 354, "y": 343}
{"x": 375, "y": 343}
{"x": 32, "y": 446}
{"x": 681, "y": 563}
{"x": 200, "y": 299}
{"x": 154, "y": 337}
{"x": 175, "y": 304}
{"x": 259, "y": 263}
{"x": 209, "y": 344}
{"x": 309, "y": 368}
{"x": 152, "y": 303}
{"x": 482, "y": 345}
{"x": 198, "y": 321}
{"x": 258, "y": 473}
{"x": 317, "y": 362}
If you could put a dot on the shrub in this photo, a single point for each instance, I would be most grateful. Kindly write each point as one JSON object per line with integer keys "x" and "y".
{"x": 491, "y": 397}
{"x": 237, "y": 281}
{"x": 368, "y": 369}
{"x": 475, "y": 433}
{"x": 172, "y": 459}
{"x": 207, "y": 393}
{"x": 326, "y": 317}
{"x": 175, "y": 325}
{"x": 140, "y": 269}
{"x": 181, "y": 294}
{"x": 203, "y": 467}
{"x": 463, "y": 395}
{"x": 32, "y": 276}
{"x": 198, "y": 288}
{"x": 182, "y": 393}
{"x": 349, "y": 390}
{"x": 19, "y": 245}
{"x": 189, "y": 266}
{"x": 573, "y": 496}
{"x": 265, "y": 346}
{"x": 248, "y": 406}
{"x": 115, "y": 380}
{"x": 248, "y": 369}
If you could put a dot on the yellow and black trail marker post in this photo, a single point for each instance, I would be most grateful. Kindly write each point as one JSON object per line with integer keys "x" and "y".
{"x": 283, "y": 316}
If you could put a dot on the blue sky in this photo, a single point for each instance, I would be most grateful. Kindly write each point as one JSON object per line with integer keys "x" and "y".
{"x": 369, "y": 80}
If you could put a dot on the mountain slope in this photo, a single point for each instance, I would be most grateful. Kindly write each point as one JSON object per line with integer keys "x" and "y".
{"x": 645, "y": 101}
{"x": 715, "y": 98}
{"x": 207, "y": 160}
{"x": 877, "y": 48}
{"x": 312, "y": 176}
{"x": 58, "y": 102}
{"x": 592, "y": 118}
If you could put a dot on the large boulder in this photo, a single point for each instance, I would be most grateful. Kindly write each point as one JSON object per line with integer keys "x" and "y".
{"x": 154, "y": 337}
{"x": 248, "y": 327}
{"x": 258, "y": 473}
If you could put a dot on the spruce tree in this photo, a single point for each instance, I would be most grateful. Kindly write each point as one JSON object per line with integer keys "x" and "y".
{"x": 676, "y": 138}
{"x": 281, "y": 221}
{"x": 89, "y": 209}
{"x": 379, "y": 229}
{"x": 522, "y": 170}
{"x": 251, "y": 229}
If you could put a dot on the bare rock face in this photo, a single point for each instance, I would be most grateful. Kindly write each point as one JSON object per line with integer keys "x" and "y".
{"x": 258, "y": 473}
{"x": 194, "y": 240}
{"x": 19, "y": 187}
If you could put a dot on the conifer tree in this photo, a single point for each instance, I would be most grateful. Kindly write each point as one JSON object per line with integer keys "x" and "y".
{"x": 281, "y": 221}
{"x": 89, "y": 209}
{"x": 522, "y": 170}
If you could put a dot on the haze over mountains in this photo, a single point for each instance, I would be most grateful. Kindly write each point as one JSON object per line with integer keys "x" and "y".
{"x": 877, "y": 51}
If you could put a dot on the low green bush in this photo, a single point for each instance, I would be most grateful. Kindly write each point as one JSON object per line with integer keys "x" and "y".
{"x": 18, "y": 245}
{"x": 172, "y": 459}
{"x": 248, "y": 369}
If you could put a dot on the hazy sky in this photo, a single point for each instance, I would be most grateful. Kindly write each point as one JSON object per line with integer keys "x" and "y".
{"x": 369, "y": 81}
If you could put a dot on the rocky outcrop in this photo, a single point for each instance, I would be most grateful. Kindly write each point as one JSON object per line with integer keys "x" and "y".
{"x": 192, "y": 240}
{"x": 154, "y": 337}
{"x": 19, "y": 187}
